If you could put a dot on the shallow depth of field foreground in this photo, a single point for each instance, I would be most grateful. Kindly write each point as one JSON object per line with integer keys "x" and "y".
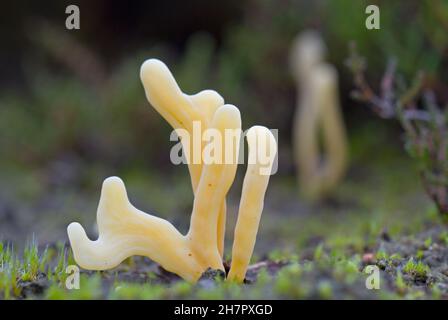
{"x": 356, "y": 207}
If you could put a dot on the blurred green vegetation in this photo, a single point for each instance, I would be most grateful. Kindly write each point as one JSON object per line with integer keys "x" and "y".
{"x": 71, "y": 104}
{"x": 415, "y": 32}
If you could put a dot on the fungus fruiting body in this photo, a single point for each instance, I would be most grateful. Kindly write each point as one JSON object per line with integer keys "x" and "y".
{"x": 318, "y": 114}
{"x": 125, "y": 231}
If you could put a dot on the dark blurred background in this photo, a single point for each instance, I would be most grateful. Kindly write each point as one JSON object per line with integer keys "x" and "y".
{"x": 73, "y": 111}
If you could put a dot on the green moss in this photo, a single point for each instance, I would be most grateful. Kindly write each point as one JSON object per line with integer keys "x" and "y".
{"x": 129, "y": 291}
{"x": 32, "y": 263}
{"x": 89, "y": 288}
{"x": 318, "y": 252}
{"x": 419, "y": 255}
{"x": 396, "y": 256}
{"x": 428, "y": 242}
{"x": 58, "y": 273}
{"x": 278, "y": 255}
{"x": 399, "y": 283}
{"x": 444, "y": 237}
{"x": 325, "y": 289}
{"x": 288, "y": 283}
{"x": 416, "y": 269}
{"x": 381, "y": 255}
{"x": 9, "y": 266}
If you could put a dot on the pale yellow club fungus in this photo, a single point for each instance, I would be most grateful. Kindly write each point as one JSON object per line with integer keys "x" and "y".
{"x": 321, "y": 164}
{"x": 252, "y": 199}
{"x": 180, "y": 111}
{"x": 125, "y": 231}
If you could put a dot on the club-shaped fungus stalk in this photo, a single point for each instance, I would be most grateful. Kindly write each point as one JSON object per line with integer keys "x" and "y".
{"x": 252, "y": 200}
{"x": 319, "y": 137}
{"x": 125, "y": 231}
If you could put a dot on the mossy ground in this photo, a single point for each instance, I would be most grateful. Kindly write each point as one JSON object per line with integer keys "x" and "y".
{"x": 411, "y": 267}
